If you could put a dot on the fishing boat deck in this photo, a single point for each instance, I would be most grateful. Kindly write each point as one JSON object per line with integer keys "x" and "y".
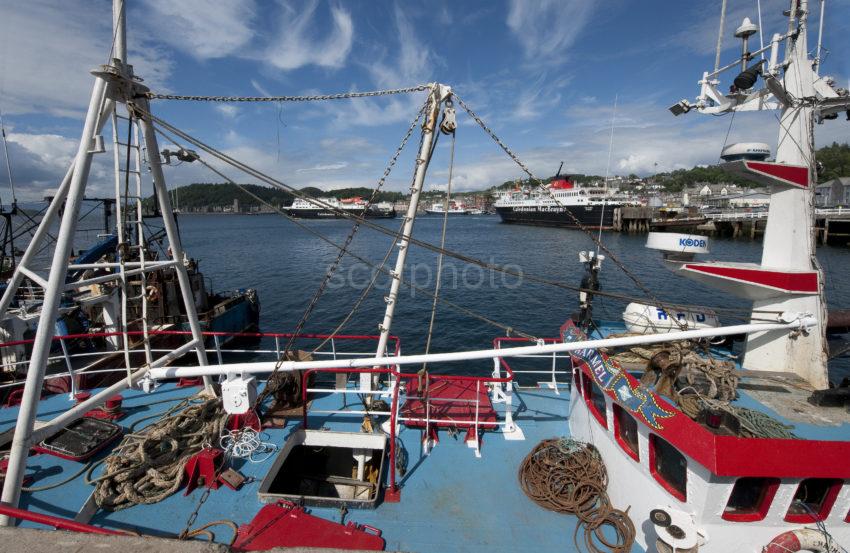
{"x": 450, "y": 499}
{"x": 782, "y": 396}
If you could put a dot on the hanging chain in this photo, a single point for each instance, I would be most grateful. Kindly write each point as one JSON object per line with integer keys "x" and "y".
{"x": 316, "y": 98}
{"x": 578, "y": 224}
{"x": 348, "y": 239}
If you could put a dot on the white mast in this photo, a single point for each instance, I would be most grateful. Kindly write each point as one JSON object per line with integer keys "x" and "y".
{"x": 113, "y": 83}
{"x": 437, "y": 96}
{"x": 789, "y": 278}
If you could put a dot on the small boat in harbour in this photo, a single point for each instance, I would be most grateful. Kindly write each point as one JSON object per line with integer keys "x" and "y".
{"x": 454, "y": 208}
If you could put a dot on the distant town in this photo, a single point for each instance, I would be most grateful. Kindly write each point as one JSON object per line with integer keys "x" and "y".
{"x": 674, "y": 193}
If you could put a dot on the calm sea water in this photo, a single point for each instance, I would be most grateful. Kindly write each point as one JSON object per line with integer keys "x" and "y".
{"x": 286, "y": 264}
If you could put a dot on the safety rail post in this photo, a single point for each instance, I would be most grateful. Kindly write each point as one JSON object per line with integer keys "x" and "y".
{"x": 333, "y": 348}
{"x": 277, "y": 346}
{"x": 476, "y": 443}
{"x": 70, "y": 366}
{"x": 554, "y": 381}
{"x": 218, "y": 349}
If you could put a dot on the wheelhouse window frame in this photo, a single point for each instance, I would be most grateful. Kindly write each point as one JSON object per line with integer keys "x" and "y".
{"x": 657, "y": 443}
{"x": 592, "y": 390}
{"x": 825, "y": 505}
{"x": 759, "y": 510}
{"x": 622, "y": 416}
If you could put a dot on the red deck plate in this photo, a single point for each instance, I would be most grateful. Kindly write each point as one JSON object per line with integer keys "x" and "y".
{"x": 444, "y": 412}
{"x": 286, "y": 525}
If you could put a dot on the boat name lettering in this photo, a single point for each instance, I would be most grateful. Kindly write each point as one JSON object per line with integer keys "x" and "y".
{"x": 610, "y": 376}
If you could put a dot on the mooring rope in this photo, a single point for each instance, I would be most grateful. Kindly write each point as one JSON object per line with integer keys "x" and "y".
{"x": 147, "y": 466}
{"x": 567, "y": 476}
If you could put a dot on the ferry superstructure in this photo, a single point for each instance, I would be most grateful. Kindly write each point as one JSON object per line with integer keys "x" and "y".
{"x": 335, "y": 208}
{"x": 560, "y": 204}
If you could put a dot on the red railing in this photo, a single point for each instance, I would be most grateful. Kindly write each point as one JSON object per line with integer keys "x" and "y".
{"x": 57, "y": 522}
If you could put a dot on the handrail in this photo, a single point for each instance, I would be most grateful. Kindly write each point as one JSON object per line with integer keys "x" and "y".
{"x": 205, "y": 333}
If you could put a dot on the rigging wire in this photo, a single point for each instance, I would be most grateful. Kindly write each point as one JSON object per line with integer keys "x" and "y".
{"x": 8, "y": 163}
{"x": 575, "y": 219}
{"x": 508, "y": 329}
{"x": 379, "y": 228}
{"x": 348, "y": 239}
{"x": 442, "y": 247}
{"x": 607, "y": 171}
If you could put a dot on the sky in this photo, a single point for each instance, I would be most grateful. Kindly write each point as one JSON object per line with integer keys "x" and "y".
{"x": 544, "y": 75}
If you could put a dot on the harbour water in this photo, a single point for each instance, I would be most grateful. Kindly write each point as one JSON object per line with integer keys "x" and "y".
{"x": 286, "y": 265}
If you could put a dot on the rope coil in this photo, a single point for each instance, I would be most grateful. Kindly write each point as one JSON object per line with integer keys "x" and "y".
{"x": 148, "y": 466}
{"x": 567, "y": 476}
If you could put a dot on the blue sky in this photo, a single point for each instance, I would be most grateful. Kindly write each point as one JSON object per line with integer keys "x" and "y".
{"x": 543, "y": 74}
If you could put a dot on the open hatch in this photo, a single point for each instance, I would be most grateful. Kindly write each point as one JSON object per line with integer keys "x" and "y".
{"x": 322, "y": 468}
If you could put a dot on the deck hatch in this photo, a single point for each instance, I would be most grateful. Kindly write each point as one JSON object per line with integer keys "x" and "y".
{"x": 324, "y": 468}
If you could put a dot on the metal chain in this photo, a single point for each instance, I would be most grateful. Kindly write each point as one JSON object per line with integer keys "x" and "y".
{"x": 194, "y": 516}
{"x": 315, "y": 98}
{"x": 163, "y": 126}
{"x": 578, "y": 224}
{"x": 348, "y": 239}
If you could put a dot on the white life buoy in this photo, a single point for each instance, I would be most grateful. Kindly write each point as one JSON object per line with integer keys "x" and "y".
{"x": 804, "y": 539}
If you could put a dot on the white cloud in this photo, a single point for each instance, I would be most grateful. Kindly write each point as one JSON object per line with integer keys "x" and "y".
{"x": 546, "y": 29}
{"x": 324, "y": 167}
{"x": 39, "y": 161}
{"x": 227, "y": 110}
{"x": 49, "y": 53}
{"x": 204, "y": 29}
{"x": 296, "y": 44}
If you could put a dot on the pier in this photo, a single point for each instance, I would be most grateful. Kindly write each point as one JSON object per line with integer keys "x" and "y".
{"x": 832, "y": 225}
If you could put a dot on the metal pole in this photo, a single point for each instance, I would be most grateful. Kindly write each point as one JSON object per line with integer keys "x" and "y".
{"x": 438, "y": 94}
{"x": 170, "y": 225}
{"x": 49, "y": 217}
{"x": 50, "y": 307}
{"x": 119, "y": 24}
{"x": 804, "y": 322}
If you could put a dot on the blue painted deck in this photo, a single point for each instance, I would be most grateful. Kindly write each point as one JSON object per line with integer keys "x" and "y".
{"x": 450, "y": 500}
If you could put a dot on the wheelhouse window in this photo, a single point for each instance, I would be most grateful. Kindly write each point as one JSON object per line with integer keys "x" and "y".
{"x": 813, "y": 500}
{"x": 750, "y": 499}
{"x": 669, "y": 467}
{"x": 595, "y": 398}
{"x": 626, "y": 431}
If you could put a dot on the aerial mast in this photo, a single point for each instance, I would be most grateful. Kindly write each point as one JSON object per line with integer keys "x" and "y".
{"x": 789, "y": 279}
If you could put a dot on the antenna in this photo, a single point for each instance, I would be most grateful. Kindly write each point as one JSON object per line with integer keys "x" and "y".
{"x": 8, "y": 164}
